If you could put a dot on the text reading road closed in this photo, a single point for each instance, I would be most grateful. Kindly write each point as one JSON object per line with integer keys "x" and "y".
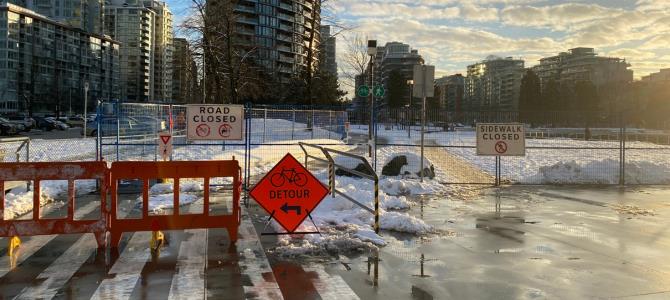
{"x": 501, "y": 139}
{"x": 215, "y": 122}
{"x": 211, "y": 114}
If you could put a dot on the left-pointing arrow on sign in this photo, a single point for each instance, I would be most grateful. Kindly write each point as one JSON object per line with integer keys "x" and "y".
{"x": 285, "y": 208}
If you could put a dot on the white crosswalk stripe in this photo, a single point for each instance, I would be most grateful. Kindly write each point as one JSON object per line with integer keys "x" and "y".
{"x": 35, "y": 243}
{"x": 254, "y": 264}
{"x": 26, "y": 250}
{"x": 189, "y": 280}
{"x": 60, "y": 271}
{"x": 128, "y": 269}
{"x": 331, "y": 287}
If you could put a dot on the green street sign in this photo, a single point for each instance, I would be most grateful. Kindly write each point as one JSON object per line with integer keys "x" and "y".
{"x": 363, "y": 91}
{"x": 379, "y": 91}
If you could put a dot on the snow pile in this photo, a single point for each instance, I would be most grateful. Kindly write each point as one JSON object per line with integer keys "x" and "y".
{"x": 386, "y": 154}
{"x": 347, "y": 227}
{"x": 600, "y": 172}
{"x": 19, "y": 200}
{"x": 161, "y": 195}
{"x": 160, "y": 202}
{"x": 396, "y": 186}
{"x": 184, "y": 187}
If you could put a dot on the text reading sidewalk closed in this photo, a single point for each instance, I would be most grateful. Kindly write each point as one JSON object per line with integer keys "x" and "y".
{"x": 501, "y": 139}
{"x": 215, "y": 122}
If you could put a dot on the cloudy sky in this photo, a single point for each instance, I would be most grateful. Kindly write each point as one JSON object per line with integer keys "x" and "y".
{"x": 454, "y": 33}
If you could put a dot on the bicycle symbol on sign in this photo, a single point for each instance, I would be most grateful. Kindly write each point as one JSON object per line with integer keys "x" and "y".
{"x": 279, "y": 179}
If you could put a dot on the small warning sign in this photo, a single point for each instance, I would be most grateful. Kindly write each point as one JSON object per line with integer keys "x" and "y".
{"x": 165, "y": 145}
{"x": 214, "y": 122}
{"x": 289, "y": 193}
{"x": 501, "y": 139}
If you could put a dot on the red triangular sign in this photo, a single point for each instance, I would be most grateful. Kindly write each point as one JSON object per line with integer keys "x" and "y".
{"x": 165, "y": 138}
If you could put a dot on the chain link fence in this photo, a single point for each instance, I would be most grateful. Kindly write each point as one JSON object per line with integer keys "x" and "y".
{"x": 129, "y": 132}
{"x": 562, "y": 147}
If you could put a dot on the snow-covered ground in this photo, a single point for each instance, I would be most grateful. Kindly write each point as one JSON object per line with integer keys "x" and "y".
{"x": 19, "y": 200}
{"x": 346, "y": 226}
{"x": 556, "y": 160}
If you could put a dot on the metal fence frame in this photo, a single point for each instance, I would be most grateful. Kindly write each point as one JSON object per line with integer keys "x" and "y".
{"x": 444, "y": 121}
{"x": 309, "y": 123}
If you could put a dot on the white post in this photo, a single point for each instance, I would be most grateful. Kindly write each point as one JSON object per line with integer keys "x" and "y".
{"x": 265, "y": 118}
{"x": 85, "y": 105}
{"x": 423, "y": 119}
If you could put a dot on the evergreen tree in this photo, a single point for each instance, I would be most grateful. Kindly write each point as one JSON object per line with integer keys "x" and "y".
{"x": 396, "y": 87}
{"x": 529, "y": 96}
{"x": 587, "y": 103}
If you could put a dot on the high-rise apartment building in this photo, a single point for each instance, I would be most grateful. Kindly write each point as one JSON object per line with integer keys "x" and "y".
{"x": 494, "y": 84}
{"x": 400, "y": 58}
{"x": 392, "y": 57}
{"x": 45, "y": 65}
{"x": 449, "y": 91}
{"x": 83, "y": 14}
{"x": 328, "y": 51}
{"x": 583, "y": 64}
{"x": 661, "y": 76}
{"x": 163, "y": 50}
{"x": 184, "y": 73}
{"x": 278, "y": 33}
{"x": 144, "y": 29}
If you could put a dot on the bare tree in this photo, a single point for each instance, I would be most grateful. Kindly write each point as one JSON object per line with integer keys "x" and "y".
{"x": 355, "y": 58}
{"x": 227, "y": 61}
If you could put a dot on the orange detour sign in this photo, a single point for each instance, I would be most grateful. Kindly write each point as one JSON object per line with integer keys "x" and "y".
{"x": 289, "y": 193}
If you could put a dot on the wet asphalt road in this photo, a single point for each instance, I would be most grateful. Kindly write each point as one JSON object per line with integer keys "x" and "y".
{"x": 511, "y": 243}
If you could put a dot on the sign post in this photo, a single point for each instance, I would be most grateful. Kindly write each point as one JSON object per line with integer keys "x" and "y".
{"x": 424, "y": 77}
{"x": 214, "y": 122}
{"x": 289, "y": 193}
{"x": 165, "y": 145}
{"x": 501, "y": 139}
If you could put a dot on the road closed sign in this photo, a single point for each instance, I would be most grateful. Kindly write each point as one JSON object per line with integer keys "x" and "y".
{"x": 214, "y": 122}
{"x": 501, "y": 139}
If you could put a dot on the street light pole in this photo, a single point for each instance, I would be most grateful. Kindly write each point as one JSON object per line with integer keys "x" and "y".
{"x": 409, "y": 111}
{"x": 85, "y": 104}
{"x": 372, "y": 51}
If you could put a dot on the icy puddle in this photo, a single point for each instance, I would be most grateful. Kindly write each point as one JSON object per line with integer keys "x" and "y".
{"x": 515, "y": 243}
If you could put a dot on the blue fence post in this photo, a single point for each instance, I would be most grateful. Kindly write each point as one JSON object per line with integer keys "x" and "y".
{"x": 118, "y": 128}
{"x": 98, "y": 142}
{"x": 247, "y": 153}
{"x": 293, "y": 125}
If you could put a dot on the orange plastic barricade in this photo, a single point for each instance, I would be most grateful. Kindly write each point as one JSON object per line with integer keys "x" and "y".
{"x": 69, "y": 171}
{"x": 146, "y": 171}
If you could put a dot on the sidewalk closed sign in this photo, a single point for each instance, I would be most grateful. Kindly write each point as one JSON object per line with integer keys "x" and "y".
{"x": 501, "y": 139}
{"x": 214, "y": 122}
